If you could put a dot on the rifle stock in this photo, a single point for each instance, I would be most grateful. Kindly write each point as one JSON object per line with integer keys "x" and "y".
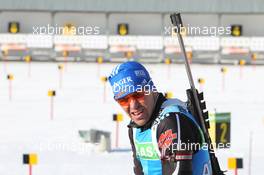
{"x": 196, "y": 103}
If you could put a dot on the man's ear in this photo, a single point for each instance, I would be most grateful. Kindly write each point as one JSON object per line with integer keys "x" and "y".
{"x": 155, "y": 98}
{"x": 155, "y": 95}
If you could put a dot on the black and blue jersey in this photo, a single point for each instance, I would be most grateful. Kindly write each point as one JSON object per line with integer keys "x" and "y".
{"x": 169, "y": 143}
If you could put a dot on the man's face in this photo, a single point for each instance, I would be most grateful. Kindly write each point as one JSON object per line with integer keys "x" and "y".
{"x": 138, "y": 106}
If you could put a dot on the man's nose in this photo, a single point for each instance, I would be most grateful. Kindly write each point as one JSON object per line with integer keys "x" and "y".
{"x": 134, "y": 104}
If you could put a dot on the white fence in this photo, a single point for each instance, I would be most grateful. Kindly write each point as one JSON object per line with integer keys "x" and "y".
{"x": 115, "y": 44}
{"x": 140, "y": 42}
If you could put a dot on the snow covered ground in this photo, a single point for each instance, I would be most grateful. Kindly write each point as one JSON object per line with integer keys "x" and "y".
{"x": 26, "y": 126}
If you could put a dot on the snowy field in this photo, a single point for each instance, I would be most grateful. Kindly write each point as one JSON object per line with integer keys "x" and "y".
{"x": 26, "y": 126}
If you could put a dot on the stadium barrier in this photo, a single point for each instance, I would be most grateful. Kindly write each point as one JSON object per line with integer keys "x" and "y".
{"x": 115, "y": 48}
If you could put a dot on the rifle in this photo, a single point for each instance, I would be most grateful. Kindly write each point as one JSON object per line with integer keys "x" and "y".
{"x": 196, "y": 103}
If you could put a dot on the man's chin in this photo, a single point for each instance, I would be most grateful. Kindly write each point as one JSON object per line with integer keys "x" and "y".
{"x": 140, "y": 122}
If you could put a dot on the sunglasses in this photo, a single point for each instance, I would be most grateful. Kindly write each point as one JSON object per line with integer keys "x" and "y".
{"x": 125, "y": 101}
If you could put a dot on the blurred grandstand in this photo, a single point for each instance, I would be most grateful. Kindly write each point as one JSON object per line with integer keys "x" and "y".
{"x": 87, "y": 30}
